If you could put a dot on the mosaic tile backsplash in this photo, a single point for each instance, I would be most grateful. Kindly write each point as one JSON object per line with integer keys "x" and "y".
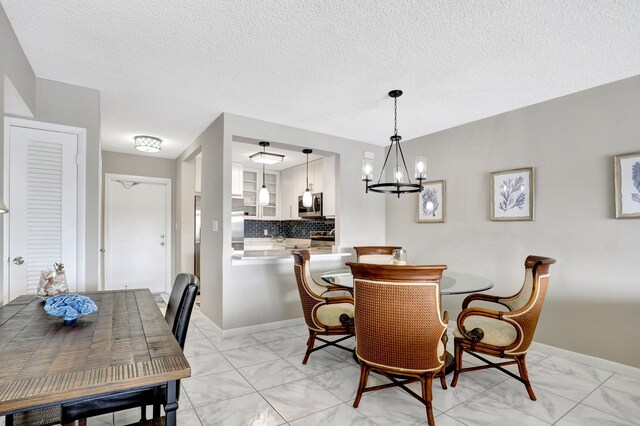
{"x": 286, "y": 228}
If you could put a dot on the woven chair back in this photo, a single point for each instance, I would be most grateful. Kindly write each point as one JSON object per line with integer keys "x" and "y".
{"x": 379, "y": 255}
{"x": 397, "y": 316}
{"x": 310, "y": 292}
{"x": 527, "y": 315}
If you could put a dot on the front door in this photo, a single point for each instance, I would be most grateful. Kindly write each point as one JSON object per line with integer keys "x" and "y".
{"x": 137, "y": 243}
{"x": 42, "y": 206}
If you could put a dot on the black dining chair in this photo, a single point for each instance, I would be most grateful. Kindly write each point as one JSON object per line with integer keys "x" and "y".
{"x": 179, "y": 308}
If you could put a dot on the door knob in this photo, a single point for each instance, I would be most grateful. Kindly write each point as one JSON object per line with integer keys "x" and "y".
{"x": 18, "y": 260}
{"x": 161, "y": 235}
{"x": 162, "y": 243}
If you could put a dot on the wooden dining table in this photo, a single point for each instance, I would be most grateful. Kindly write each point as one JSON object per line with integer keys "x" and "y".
{"x": 125, "y": 345}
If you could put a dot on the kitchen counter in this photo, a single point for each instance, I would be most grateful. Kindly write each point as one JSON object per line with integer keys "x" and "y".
{"x": 283, "y": 254}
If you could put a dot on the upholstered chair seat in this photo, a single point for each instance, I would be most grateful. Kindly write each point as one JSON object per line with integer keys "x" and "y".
{"x": 330, "y": 314}
{"x": 496, "y": 332}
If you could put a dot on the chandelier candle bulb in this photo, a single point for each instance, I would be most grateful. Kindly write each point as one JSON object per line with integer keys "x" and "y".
{"x": 398, "y": 175}
{"x": 421, "y": 167}
{"x": 367, "y": 169}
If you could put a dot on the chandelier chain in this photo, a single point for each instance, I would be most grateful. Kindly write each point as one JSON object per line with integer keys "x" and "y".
{"x": 395, "y": 116}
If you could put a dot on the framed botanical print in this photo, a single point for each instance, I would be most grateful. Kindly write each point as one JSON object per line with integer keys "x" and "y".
{"x": 431, "y": 202}
{"x": 512, "y": 195}
{"x": 627, "y": 181}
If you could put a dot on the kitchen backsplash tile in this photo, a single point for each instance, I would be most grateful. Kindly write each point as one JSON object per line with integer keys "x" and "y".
{"x": 285, "y": 228}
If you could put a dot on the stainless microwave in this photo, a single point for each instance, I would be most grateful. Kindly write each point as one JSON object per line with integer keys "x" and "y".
{"x": 316, "y": 206}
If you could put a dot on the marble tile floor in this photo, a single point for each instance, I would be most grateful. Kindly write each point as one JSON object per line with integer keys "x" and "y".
{"x": 258, "y": 379}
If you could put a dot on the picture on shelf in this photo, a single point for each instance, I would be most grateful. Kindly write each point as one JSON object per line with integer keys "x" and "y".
{"x": 512, "y": 195}
{"x": 627, "y": 185}
{"x": 431, "y": 202}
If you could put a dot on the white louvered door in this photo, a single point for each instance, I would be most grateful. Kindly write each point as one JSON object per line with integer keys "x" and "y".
{"x": 43, "y": 207}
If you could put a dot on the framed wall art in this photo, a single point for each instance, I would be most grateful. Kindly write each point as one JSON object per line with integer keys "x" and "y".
{"x": 431, "y": 202}
{"x": 627, "y": 185}
{"x": 512, "y": 195}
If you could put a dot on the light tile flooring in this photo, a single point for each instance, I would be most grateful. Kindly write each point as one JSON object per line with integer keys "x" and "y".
{"x": 258, "y": 379}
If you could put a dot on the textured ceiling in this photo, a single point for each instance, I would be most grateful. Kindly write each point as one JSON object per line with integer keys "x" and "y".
{"x": 169, "y": 67}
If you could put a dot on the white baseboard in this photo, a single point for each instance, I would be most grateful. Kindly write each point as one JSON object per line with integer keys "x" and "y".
{"x": 262, "y": 327}
{"x": 592, "y": 361}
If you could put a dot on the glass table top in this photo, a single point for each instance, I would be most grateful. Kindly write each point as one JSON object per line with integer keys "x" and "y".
{"x": 451, "y": 283}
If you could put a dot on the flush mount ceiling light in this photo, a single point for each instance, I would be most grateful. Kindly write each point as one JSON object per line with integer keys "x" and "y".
{"x": 263, "y": 195}
{"x": 266, "y": 157}
{"x": 401, "y": 183}
{"x": 147, "y": 143}
{"x": 307, "y": 199}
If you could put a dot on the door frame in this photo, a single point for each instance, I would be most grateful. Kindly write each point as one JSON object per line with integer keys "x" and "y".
{"x": 81, "y": 134}
{"x": 110, "y": 177}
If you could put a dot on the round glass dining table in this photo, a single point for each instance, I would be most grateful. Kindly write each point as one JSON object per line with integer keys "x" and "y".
{"x": 451, "y": 283}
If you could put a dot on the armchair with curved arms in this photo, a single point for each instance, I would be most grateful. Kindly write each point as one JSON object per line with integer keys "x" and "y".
{"x": 324, "y": 316}
{"x": 504, "y": 334}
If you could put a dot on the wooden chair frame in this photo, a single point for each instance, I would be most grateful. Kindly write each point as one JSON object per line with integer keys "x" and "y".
{"x": 400, "y": 377}
{"x": 374, "y": 250}
{"x": 311, "y": 301}
{"x": 524, "y": 320}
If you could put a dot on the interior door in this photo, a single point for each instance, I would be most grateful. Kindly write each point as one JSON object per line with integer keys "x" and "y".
{"x": 136, "y": 233}
{"x": 43, "y": 206}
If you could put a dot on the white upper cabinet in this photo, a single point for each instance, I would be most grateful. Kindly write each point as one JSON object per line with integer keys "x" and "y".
{"x": 251, "y": 184}
{"x": 237, "y": 186}
{"x": 316, "y": 176}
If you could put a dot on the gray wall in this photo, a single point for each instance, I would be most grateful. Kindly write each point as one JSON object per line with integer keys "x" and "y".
{"x": 77, "y": 106}
{"x": 15, "y": 65}
{"x": 359, "y": 216}
{"x": 142, "y": 165}
{"x": 593, "y": 305}
{"x": 59, "y": 103}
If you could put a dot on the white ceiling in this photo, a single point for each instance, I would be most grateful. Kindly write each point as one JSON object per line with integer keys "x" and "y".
{"x": 168, "y": 68}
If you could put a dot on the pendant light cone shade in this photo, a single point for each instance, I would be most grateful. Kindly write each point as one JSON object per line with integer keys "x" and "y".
{"x": 3, "y": 208}
{"x": 263, "y": 195}
{"x": 307, "y": 199}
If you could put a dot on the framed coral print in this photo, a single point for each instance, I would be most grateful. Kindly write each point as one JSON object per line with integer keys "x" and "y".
{"x": 431, "y": 202}
{"x": 627, "y": 180}
{"x": 512, "y": 195}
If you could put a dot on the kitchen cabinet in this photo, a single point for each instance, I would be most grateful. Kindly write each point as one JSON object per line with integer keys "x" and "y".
{"x": 294, "y": 183}
{"x": 251, "y": 184}
{"x": 237, "y": 185}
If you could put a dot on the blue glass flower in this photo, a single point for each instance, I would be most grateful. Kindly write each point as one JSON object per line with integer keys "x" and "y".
{"x": 70, "y": 306}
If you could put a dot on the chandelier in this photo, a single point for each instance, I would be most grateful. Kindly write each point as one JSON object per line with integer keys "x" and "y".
{"x": 401, "y": 182}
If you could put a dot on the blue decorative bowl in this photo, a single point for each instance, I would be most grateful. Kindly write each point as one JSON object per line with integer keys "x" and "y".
{"x": 69, "y": 306}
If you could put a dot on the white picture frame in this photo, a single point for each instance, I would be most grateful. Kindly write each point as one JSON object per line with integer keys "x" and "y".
{"x": 627, "y": 185}
{"x": 432, "y": 202}
{"x": 512, "y": 195}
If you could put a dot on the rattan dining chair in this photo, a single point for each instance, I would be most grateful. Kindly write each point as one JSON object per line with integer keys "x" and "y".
{"x": 324, "y": 316}
{"x": 178, "y": 314}
{"x": 504, "y": 334}
{"x": 379, "y": 255}
{"x": 400, "y": 332}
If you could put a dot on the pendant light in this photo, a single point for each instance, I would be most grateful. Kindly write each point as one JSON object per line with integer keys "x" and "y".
{"x": 307, "y": 199}
{"x": 401, "y": 183}
{"x": 263, "y": 195}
